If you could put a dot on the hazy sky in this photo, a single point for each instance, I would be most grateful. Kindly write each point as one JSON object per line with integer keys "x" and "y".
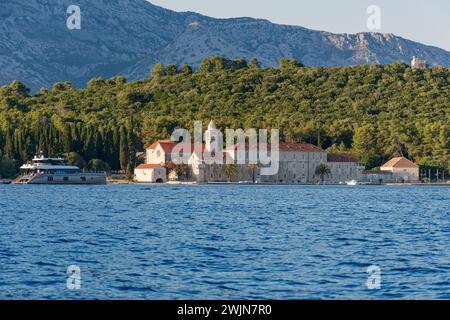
{"x": 426, "y": 21}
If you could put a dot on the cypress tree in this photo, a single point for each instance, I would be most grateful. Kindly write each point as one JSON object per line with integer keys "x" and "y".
{"x": 115, "y": 148}
{"x": 67, "y": 139}
{"x": 89, "y": 148}
{"x": 123, "y": 150}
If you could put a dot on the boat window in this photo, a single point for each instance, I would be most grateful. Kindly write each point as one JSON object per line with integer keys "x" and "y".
{"x": 50, "y": 179}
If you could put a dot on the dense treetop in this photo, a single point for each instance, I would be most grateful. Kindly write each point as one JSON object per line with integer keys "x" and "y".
{"x": 374, "y": 112}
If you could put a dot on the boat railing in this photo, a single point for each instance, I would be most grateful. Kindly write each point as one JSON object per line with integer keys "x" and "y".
{"x": 92, "y": 171}
{"x": 35, "y": 173}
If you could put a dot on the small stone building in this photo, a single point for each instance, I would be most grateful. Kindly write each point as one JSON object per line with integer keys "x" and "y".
{"x": 418, "y": 63}
{"x": 403, "y": 169}
{"x": 150, "y": 173}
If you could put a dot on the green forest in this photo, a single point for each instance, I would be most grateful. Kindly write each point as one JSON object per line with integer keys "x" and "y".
{"x": 374, "y": 112}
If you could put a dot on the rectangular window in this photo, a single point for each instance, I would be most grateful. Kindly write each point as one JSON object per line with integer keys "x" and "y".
{"x": 50, "y": 179}
{"x": 66, "y": 179}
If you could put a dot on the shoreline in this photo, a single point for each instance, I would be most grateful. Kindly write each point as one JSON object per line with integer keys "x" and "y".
{"x": 118, "y": 182}
{"x": 125, "y": 182}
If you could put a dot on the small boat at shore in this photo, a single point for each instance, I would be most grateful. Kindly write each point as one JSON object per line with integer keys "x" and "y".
{"x": 42, "y": 170}
{"x": 352, "y": 183}
{"x": 246, "y": 182}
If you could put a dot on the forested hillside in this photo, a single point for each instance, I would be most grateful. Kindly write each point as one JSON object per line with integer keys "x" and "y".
{"x": 374, "y": 112}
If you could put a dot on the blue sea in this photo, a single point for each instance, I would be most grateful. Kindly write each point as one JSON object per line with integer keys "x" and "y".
{"x": 224, "y": 242}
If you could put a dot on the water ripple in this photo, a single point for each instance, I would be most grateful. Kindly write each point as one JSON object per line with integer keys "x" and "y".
{"x": 224, "y": 242}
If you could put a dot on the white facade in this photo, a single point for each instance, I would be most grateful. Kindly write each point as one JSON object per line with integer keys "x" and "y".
{"x": 343, "y": 168}
{"x": 418, "y": 63}
{"x": 403, "y": 169}
{"x": 297, "y": 167}
{"x": 150, "y": 174}
{"x": 159, "y": 152}
{"x": 298, "y": 163}
{"x": 404, "y": 174}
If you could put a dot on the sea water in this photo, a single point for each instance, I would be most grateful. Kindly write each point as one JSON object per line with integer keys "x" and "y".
{"x": 224, "y": 242}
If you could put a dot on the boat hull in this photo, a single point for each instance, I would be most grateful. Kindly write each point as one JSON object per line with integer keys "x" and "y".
{"x": 75, "y": 178}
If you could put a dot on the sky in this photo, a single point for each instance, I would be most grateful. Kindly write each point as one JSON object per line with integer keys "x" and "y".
{"x": 423, "y": 21}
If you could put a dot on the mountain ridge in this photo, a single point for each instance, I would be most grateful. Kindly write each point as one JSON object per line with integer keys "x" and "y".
{"x": 128, "y": 37}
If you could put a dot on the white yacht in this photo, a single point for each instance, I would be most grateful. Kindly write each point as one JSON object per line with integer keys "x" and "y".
{"x": 42, "y": 170}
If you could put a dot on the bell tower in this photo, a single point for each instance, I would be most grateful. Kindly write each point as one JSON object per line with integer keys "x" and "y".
{"x": 213, "y": 140}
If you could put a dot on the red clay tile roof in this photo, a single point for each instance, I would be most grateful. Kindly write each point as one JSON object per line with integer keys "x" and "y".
{"x": 168, "y": 145}
{"x": 340, "y": 157}
{"x": 288, "y": 147}
{"x": 148, "y": 166}
{"x": 295, "y": 147}
{"x": 400, "y": 162}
